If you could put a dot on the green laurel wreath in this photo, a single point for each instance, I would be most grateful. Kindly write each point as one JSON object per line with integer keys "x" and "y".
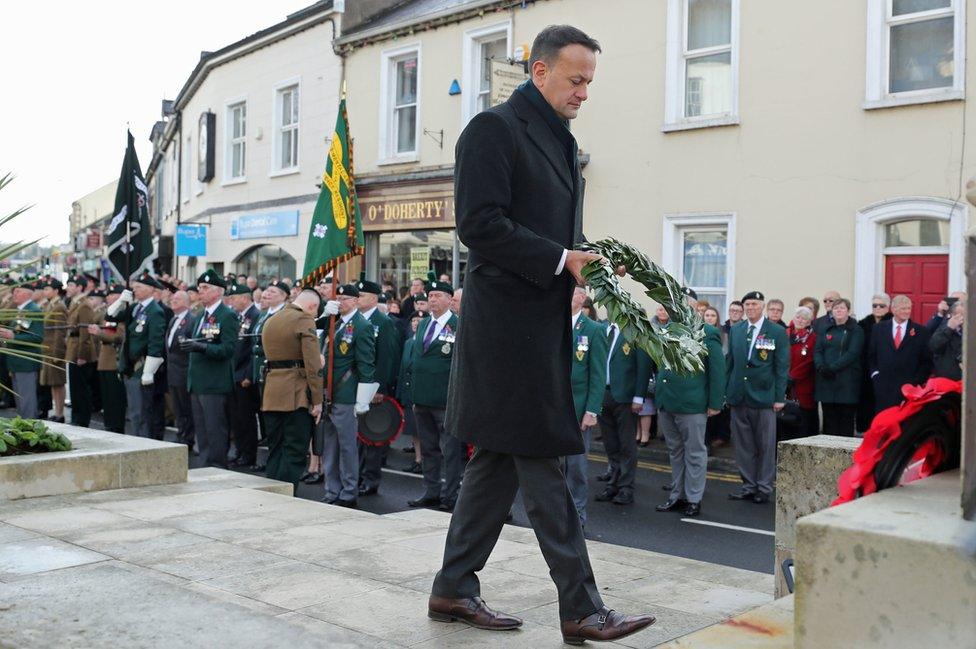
{"x": 677, "y": 347}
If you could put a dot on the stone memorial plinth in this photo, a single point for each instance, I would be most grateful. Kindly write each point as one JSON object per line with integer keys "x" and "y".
{"x": 893, "y": 569}
{"x": 806, "y": 482}
{"x": 99, "y": 460}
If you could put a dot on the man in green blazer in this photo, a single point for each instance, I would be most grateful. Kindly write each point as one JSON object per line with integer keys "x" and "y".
{"x": 21, "y": 336}
{"x": 142, "y": 351}
{"x": 353, "y": 387}
{"x": 628, "y": 372}
{"x": 387, "y": 338}
{"x": 758, "y": 368}
{"x": 210, "y": 375}
{"x": 433, "y": 351}
{"x": 589, "y": 380}
{"x": 684, "y": 404}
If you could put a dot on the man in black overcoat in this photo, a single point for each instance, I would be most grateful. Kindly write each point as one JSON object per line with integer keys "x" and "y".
{"x": 899, "y": 354}
{"x": 519, "y": 195}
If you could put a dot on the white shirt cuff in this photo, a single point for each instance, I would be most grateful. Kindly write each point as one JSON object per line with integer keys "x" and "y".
{"x": 639, "y": 401}
{"x": 591, "y": 414}
{"x": 562, "y": 262}
{"x": 874, "y": 374}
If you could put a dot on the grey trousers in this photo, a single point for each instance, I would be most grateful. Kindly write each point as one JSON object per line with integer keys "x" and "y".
{"x": 491, "y": 481}
{"x": 439, "y": 448}
{"x": 138, "y": 406}
{"x": 574, "y": 466}
{"x": 340, "y": 455}
{"x": 685, "y": 436}
{"x": 25, "y": 389}
{"x": 754, "y": 442}
{"x": 211, "y": 427}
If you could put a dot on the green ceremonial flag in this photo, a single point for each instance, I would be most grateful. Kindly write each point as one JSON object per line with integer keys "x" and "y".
{"x": 337, "y": 227}
{"x": 127, "y": 236}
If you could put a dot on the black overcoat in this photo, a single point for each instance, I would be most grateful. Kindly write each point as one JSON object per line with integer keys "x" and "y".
{"x": 911, "y": 363}
{"x": 518, "y": 205}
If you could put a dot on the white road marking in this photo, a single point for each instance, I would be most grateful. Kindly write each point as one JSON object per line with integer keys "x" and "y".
{"x": 727, "y": 526}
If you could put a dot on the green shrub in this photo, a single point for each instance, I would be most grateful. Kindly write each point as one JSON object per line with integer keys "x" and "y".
{"x": 23, "y": 436}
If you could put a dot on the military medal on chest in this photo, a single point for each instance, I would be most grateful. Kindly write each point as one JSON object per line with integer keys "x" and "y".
{"x": 582, "y": 346}
{"x": 245, "y": 325}
{"x": 346, "y": 338}
{"x": 212, "y": 329}
{"x": 447, "y": 337}
{"x": 626, "y": 349}
{"x": 140, "y": 324}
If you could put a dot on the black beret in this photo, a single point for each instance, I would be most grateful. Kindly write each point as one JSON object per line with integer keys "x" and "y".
{"x": 97, "y": 293}
{"x": 116, "y": 289}
{"x": 690, "y": 292}
{"x": 754, "y": 295}
{"x": 433, "y": 285}
{"x": 366, "y": 286}
{"x": 79, "y": 280}
{"x": 148, "y": 280}
{"x": 281, "y": 286}
{"x": 238, "y": 289}
{"x": 349, "y": 290}
{"x": 212, "y": 278}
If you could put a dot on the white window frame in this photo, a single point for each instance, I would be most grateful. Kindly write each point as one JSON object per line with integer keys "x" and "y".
{"x": 869, "y": 244}
{"x": 471, "y": 42}
{"x": 276, "y": 128}
{"x": 674, "y": 74}
{"x": 229, "y": 141}
{"x": 879, "y": 22}
{"x": 671, "y": 248}
{"x": 187, "y": 166}
{"x": 387, "y": 140}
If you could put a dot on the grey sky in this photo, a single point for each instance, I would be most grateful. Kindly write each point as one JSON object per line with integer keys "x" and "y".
{"x": 75, "y": 72}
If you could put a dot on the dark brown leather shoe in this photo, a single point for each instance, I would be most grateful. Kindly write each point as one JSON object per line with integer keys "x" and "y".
{"x": 605, "y": 624}
{"x": 472, "y": 611}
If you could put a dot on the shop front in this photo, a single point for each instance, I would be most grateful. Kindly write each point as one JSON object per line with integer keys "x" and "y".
{"x": 409, "y": 229}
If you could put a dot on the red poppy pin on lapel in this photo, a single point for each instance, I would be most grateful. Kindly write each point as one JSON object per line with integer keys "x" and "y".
{"x": 911, "y": 332}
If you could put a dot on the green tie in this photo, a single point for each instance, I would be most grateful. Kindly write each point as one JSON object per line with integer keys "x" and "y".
{"x": 752, "y": 330}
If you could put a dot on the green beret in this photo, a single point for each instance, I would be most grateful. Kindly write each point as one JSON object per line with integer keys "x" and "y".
{"x": 148, "y": 280}
{"x": 281, "y": 286}
{"x": 212, "y": 278}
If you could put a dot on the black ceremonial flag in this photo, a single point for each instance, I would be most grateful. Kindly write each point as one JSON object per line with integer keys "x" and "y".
{"x": 127, "y": 235}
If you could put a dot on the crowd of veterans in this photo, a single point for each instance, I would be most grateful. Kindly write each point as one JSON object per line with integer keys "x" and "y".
{"x": 231, "y": 365}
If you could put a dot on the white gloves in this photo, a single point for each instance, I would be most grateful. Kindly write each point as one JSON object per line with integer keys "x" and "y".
{"x": 332, "y": 307}
{"x": 364, "y": 394}
{"x": 149, "y": 369}
{"x": 124, "y": 299}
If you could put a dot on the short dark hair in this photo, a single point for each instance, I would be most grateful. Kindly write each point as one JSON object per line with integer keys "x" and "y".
{"x": 553, "y": 38}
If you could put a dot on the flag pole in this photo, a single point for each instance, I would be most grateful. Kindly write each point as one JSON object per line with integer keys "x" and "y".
{"x": 331, "y": 337}
{"x": 128, "y": 221}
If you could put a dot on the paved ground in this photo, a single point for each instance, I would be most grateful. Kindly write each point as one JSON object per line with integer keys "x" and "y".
{"x": 747, "y": 544}
{"x": 219, "y": 562}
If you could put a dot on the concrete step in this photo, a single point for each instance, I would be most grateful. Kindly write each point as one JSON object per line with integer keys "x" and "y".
{"x": 766, "y": 627}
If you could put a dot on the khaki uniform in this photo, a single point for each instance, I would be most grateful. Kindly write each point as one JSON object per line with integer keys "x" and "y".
{"x": 80, "y": 346}
{"x": 110, "y": 338}
{"x": 289, "y": 391}
{"x": 55, "y": 317}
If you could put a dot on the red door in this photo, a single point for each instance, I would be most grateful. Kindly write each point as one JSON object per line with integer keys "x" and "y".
{"x": 923, "y": 278}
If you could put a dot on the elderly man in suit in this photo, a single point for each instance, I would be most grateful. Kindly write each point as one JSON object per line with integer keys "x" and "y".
{"x": 519, "y": 196}
{"x": 758, "y": 368}
{"x": 245, "y": 400}
{"x": 180, "y": 327}
{"x": 898, "y": 354}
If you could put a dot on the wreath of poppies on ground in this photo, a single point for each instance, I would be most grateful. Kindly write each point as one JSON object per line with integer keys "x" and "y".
{"x": 677, "y": 347}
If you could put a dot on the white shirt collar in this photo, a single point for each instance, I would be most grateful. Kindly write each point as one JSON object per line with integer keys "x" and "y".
{"x": 146, "y": 302}
{"x": 758, "y": 325}
{"x": 275, "y": 309}
{"x": 210, "y": 309}
{"x": 577, "y": 317}
{"x": 349, "y": 316}
{"x": 368, "y": 314}
{"x": 444, "y": 317}
{"x": 24, "y": 305}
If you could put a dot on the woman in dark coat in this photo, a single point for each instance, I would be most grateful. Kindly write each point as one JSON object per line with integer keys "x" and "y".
{"x": 837, "y": 357}
{"x": 880, "y": 310}
{"x": 802, "y": 371}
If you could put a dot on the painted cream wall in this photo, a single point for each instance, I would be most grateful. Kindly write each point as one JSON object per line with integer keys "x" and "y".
{"x": 804, "y": 159}
{"x": 93, "y": 206}
{"x": 306, "y": 56}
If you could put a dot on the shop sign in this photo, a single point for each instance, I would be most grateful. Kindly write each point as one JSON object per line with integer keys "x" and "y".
{"x": 261, "y": 226}
{"x": 191, "y": 240}
{"x": 419, "y": 261}
{"x": 408, "y": 213}
{"x": 93, "y": 240}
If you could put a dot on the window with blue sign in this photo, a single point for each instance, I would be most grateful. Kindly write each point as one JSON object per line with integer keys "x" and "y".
{"x": 191, "y": 240}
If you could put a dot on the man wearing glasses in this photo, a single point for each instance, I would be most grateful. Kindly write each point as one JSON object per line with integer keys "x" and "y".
{"x": 820, "y": 324}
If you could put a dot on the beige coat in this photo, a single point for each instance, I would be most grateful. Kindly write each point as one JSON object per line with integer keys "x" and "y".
{"x": 290, "y": 336}
{"x": 55, "y": 315}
